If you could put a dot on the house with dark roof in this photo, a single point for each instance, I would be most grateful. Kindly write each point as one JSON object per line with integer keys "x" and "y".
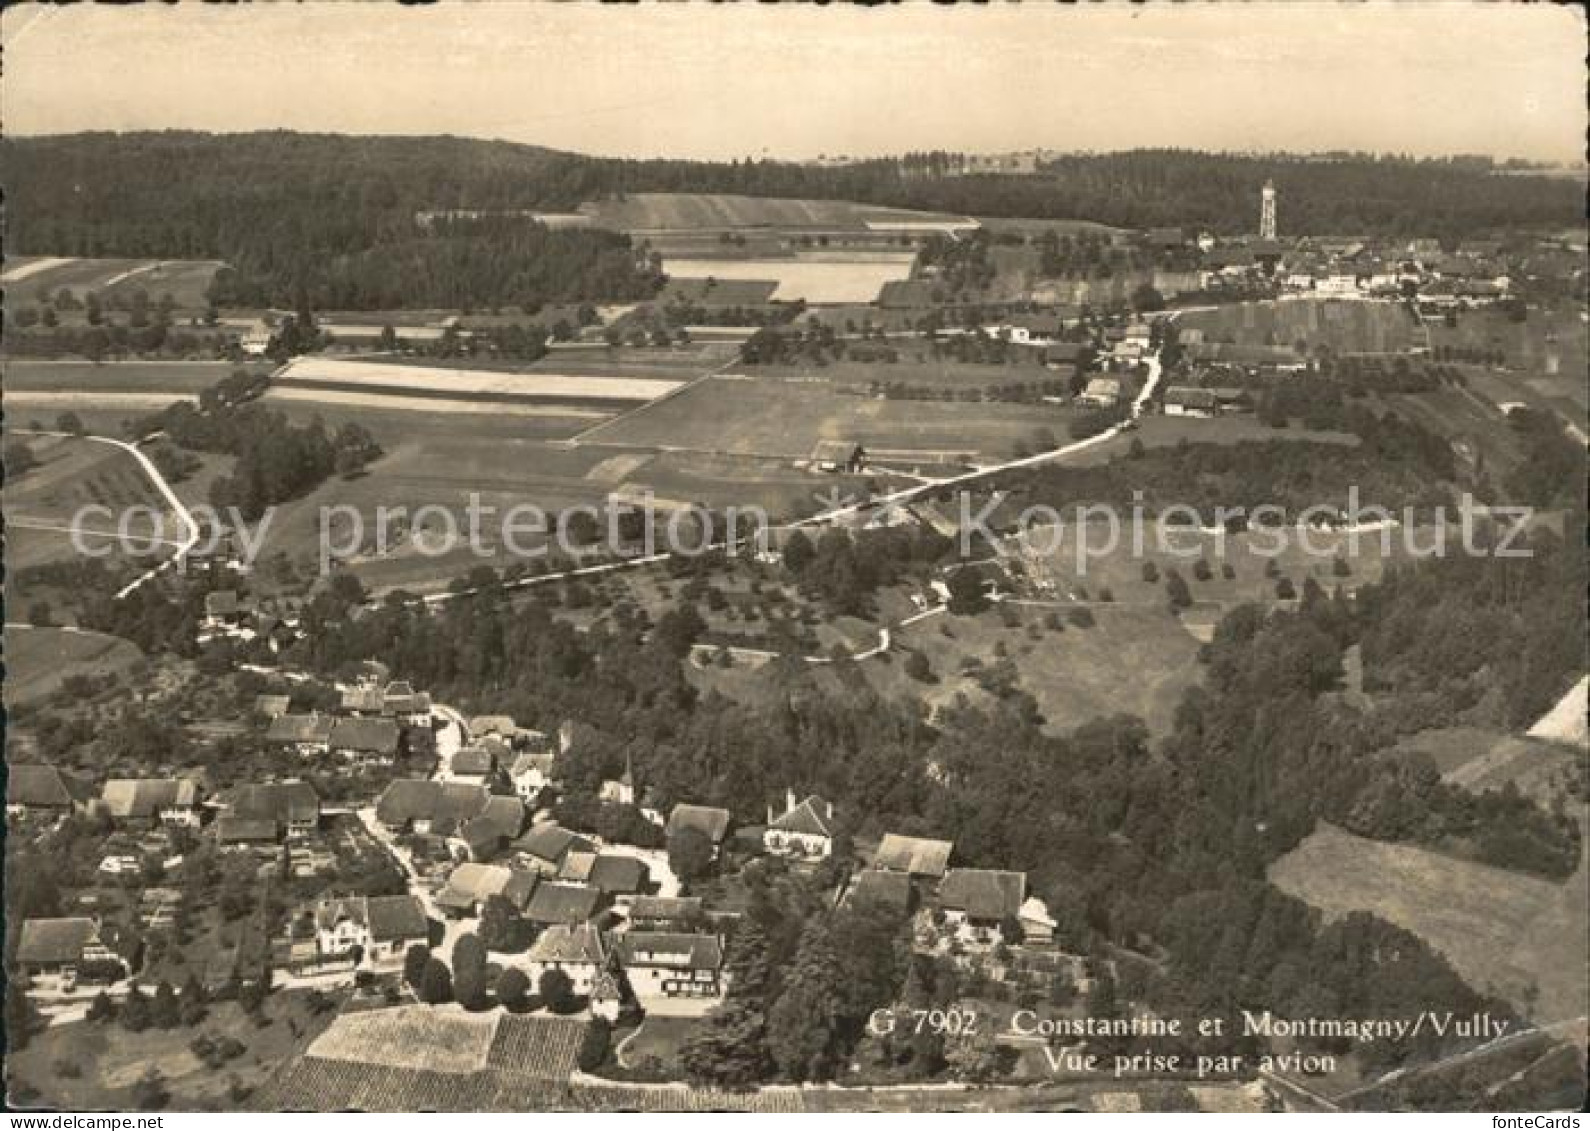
{"x": 805, "y": 831}
{"x": 838, "y": 455}
{"x": 487, "y": 834}
{"x": 33, "y": 788}
{"x": 246, "y": 832}
{"x": 60, "y": 947}
{"x": 475, "y": 762}
{"x": 562, "y": 903}
{"x": 893, "y": 891}
{"x": 709, "y": 821}
{"x": 401, "y": 702}
{"x": 306, "y": 735}
{"x": 545, "y": 846}
{"x": 574, "y": 948}
{"x": 293, "y": 807}
{"x": 976, "y": 902}
{"x": 1182, "y": 400}
{"x": 918, "y": 857}
{"x": 661, "y": 965}
{"x": 366, "y": 740}
{"x": 620, "y": 878}
{"x": 420, "y": 805}
{"x": 147, "y": 802}
{"x": 361, "y": 701}
{"x": 470, "y": 885}
{"x": 666, "y": 913}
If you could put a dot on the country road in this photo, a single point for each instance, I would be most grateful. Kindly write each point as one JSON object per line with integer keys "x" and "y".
{"x": 189, "y": 540}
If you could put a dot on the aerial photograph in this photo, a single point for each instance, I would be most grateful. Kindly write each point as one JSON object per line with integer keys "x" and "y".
{"x": 804, "y": 558}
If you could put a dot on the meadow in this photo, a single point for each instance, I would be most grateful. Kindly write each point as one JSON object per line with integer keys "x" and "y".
{"x": 39, "y": 660}
{"x": 648, "y": 211}
{"x": 186, "y": 281}
{"x": 743, "y": 415}
{"x": 104, "y": 396}
{"x": 1345, "y": 326}
{"x": 1516, "y": 935}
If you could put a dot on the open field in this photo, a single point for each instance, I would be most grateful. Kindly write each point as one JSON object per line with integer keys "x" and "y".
{"x": 1346, "y": 326}
{"x": 448, "y": 385}
{"x": 110, "y": 1061}
{"x": 1517, "y": 935}
{"x": 1481, "y": 760}
{"x": 648, "y": 211}
{"x": 1168, "y": 431}
{"x": 1133, "y": 661}
{"x": 445, "y": 1039}
{"x": 817, "y": 278}
{"x": 37, "y": 660}
{"x": 718, "y": 292}
{"x": 186, "y": 281}
{"x": 103, "y": 396}
{"x": 746, "y": 416}
{"x": 915, "y": 370}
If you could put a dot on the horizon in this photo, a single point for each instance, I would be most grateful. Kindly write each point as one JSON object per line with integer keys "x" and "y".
{"x": 794, "y": 84}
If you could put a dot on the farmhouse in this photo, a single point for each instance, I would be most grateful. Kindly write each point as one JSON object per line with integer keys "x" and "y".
{"x": 914, "y": 856}
{"x": 292, "y": 807}
{"x": 891, "y": 890}
{"x": 562, "y": 903}
{"x": 224, "y": 609}
{"x": 575, "y": 949}
{"x": 361, "y": 701}
{"x": 804, "y": 831}
{"x": 976, "y": 902}
{"x": 59, "y": 947}
{"x": 1101, "y": 392}
{"x": 173, "y": 802}
{"x": 666, "y": 913}
{"x": 1181, "y": 400}
{"x": 306, "y": 735}
{"x": 32, "y": 788}
{"x": 365, "y": 740}
{"x": 488, "y": 833}
{"x": 664, "y": 965}
{"x": 544, "y": 848}
{"x": 246, "y": 832}
{"x": 409, "y": 707}
{"x": 710, "y": 822}
{"x": 620, "y": 878}
{"x": 838, "y": 456}
{"x": 1029, "y": 329}
{"x": 423, "y": 806}
{"x": 272, "y": 706}
{"x": 471, "y": 885}
{"x": 474, "y": 763}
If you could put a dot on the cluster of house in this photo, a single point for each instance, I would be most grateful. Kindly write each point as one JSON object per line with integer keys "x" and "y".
{"x": 374, "y": 721}
{"x": 969, "y": 908}
{"x": 230, "y": 614}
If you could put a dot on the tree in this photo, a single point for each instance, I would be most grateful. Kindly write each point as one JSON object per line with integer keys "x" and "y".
{"x": 101, "y": 1008}
{"x": 966, "y": 593}
{"x": 803, "y": 1025}
{"x": 164, "y": 1012}
{"x": 19, "y": 459}
{"x": 798, "y": 552}
{"x": 1201, "y": 569}
{"x": 975, "y": 1057}
{"x": 389, "y": 339}
{"x": 513, "y": 989}
{"x": 135, "y": 1016}
{"x": 150, "y": 1093}
{"x": 917, "y": 667}
{"x": 1150, "y": 572}
{"x": 1285, "y": 590}
{"x": 21, "y": 1018}
{"x": 469, "y": 971}
{"x": 690, "y": 854}
{"x": 555, "y": 988}
{"x": 69, "y": 422}
{"x": 500, "y": 926}
{"x": 1176, "y": 591}
{"x": 436, "y": 984}
{"x": 730, "y": 1050}
{"x": 415, "y": 960}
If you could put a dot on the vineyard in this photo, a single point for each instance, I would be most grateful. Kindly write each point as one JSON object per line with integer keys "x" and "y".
{"x": 543, "y": 1048}
{"x": 410, "y": 1037}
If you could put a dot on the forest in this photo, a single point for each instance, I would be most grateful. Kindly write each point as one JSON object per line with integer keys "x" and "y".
{"x": 339, "y": 213}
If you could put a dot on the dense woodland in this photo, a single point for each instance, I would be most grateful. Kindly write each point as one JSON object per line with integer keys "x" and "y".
{"x": 339, "y": 212}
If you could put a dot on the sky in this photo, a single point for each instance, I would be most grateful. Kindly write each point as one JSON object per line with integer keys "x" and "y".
{"x": 1426, "y": 77}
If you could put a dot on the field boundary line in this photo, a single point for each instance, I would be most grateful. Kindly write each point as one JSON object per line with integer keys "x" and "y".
{"x": 683, "y": 387}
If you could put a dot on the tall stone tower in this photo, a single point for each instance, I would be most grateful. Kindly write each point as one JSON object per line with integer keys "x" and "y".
{"x": 1267, "y": 212}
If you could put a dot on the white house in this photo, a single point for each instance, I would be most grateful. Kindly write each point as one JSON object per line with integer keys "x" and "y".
{"x": 805, "y": 831}
{"x": 574, "y": 949}
{"x": 532, "y": 772}
{"x": 380, "y": 928}
{"x": 662, "y": 965}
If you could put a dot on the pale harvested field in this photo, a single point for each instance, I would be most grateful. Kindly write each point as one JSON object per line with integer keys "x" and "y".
{"x": 375, "y": 400}
{"x": 1502, "y": 931}
{"x": 857, "y": 277}
{"x": 464, "y": 382}
{"x": 26, "y": 268}
{"x": 1565, "y": 722}
{"x": 690, "y": 211}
